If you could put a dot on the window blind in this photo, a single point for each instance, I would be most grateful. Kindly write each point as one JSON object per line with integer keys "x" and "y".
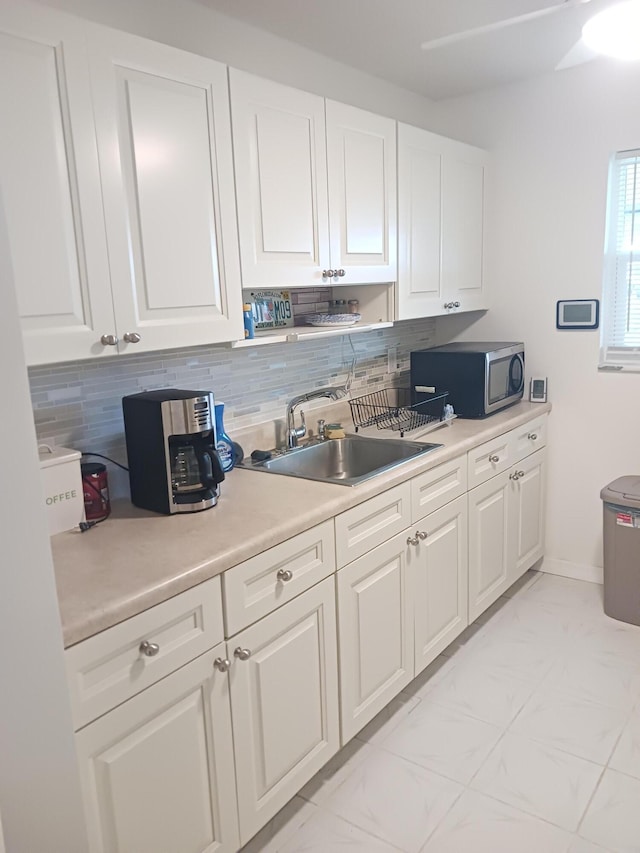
{"x": 621, "y": 287}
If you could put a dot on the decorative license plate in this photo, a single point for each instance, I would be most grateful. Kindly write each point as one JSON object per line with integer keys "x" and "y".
{"x": 271, "y": 308}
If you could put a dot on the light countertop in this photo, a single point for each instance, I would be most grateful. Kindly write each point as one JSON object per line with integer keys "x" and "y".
{"x": 137, "y": 559}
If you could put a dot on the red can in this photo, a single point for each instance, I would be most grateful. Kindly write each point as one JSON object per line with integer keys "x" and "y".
{"x": 96, "y": 491}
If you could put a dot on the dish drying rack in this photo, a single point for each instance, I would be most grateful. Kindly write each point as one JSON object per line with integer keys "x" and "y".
{"x": 391, "y": 408}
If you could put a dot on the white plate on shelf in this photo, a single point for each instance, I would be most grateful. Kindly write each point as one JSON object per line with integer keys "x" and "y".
{"x": 333, "y": 319}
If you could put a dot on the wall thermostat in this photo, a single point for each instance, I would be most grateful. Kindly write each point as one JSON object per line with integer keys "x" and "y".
{"x": 538, "y": 389}
{"x": 577, "y": 314}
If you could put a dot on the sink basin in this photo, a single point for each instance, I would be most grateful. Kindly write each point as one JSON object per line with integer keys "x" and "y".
{"x": 345, "y": 461}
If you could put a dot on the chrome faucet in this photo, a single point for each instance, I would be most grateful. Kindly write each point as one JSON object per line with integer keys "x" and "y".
{"x": 294, "y": 433}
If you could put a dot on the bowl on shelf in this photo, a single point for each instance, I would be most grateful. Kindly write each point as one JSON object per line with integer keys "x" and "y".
{"x": 333, "y": 319}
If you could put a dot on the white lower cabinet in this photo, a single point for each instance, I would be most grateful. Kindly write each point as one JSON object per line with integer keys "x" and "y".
{"x": 506, "y": 529}
{"x": 488, "y": 547}
{"x": 440, "y": 581}
{"x": 375, "y": 622}
{"x": 157, "y": 771}
{"x": 403, "y": 602}
{"x": 284, "y": 700}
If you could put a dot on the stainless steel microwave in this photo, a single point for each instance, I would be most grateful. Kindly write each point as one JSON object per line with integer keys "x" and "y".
{"x": 481, "y": 378}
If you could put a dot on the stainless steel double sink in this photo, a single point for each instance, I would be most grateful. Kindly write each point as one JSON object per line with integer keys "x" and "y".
{"x": 345, "y": 461}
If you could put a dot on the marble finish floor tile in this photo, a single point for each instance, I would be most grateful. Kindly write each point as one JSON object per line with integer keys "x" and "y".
{"x": 394, "y": 800}
{"x": 513, "y": 652}
{"x": 326, "y": 833}
{"x": 523, "y": 584}
{"x": 573, "y": 594}
{"x": 597, "y": 677}
{"x": 539, "y": 780}
{"x": 579, "y": 845}
{"x": 282, "y": 827}
{"x": 444, "y": 741}
{"x": 613, "y": 817}
{"x": 335, "y": 771}
{"x": 482, "y": 692}
{"x": 479, "y": 824}
{"x": 626, "y": 756}
{"x": 388, "y": 719}
{"x": 577, "y": 726}
{"x": 429, "y": 677}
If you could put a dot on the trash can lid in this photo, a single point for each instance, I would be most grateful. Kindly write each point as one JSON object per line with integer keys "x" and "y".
{"x": 624, "y": 490}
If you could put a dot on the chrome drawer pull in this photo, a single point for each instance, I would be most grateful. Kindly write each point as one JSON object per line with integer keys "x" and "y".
{"x": 494, "y": 458}
{"x": 532, "y": 436}
{"x": 284, "y": 575}
{"x": 421, "y": 534}
{"x": 242, "y": 654}
{"x": 222, "y": 664}
{"x": 149, "y": 649}
{"x": 412, "y": 540}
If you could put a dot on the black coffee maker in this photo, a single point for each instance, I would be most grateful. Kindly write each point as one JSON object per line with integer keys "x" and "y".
{"x": 173, "y": 464}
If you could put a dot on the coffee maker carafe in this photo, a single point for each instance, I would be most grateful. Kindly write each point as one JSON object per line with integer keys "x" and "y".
{"x": 173, "y": 464}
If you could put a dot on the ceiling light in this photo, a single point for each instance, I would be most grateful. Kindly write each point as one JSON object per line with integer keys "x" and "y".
{"x": 615, "y": 31}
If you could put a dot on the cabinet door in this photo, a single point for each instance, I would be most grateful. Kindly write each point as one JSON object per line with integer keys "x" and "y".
{"x": 463, "y": 192}
{"x": 527, "y": 514}
{"x": 489, "y": 573}
{"x": 164, "y": 141}
{"x": 157, "y": 772}
{"x": 361, "y": 160}
{"x": 281, "y": 181}
{"x": 441, "y": 581}
{"x": 284, "y": 699}
{"x": 51, "y": 186}
{"x": 419, "y": 223}
{"x": 375, "y": 623}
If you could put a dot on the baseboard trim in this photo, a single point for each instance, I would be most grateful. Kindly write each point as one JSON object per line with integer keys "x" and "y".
{"x": 577, "y": 571}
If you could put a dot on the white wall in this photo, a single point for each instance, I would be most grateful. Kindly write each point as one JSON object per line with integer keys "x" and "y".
{"x": 190, "y": 25}
{"x": 551, "y": 142}
{"x": 39, "y": 787}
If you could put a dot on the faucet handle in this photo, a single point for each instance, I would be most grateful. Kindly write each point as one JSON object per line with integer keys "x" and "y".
{"x": 321, "y": 426}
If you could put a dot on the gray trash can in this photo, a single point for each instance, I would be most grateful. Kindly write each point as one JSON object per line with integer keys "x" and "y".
{"x": 622, "y": 549}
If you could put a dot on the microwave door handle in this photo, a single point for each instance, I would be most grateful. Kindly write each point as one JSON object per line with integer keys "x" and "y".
{"x": 516, "y": 382}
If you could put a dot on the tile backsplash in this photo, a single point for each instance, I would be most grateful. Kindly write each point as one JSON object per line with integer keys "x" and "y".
{"x": 78, "y": 404}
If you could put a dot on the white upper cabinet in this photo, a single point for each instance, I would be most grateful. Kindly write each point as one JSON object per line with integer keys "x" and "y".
{"x": 441, "y": 196}
{"x": 361, "y": 152}
{"x": 164, "y": 143}
{"x": 51, "y": 185}
{"x": 463, "y": 188}
{"x": 281, "y": 180}
{"x": 316, "y": 188}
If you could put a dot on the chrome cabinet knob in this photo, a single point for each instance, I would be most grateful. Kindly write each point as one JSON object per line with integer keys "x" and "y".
{"x": 284, "y": 575}
{"x": 494, "y": 458}
{"x": 131, "y": 337}
{"x": 340, "y": 273}
{"x": 519, "y": 474}
{"x": 513, "y": 476}
{"x": 329, "y": 273}
{"x": 448, "y": 305}
{"x": 456, "y": 304}
{"x": 222, "y": 664}
{"x": 149, "y": 649}
{"x": 242, "y": 654}
{"x": 109, "y": 341}
{"x": 421, "y": 534}
{"x": 533, "y": 436}
{"x": 412, "y": 540}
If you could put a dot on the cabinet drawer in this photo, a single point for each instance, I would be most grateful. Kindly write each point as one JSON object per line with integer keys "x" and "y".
{"x": 360, "y": 529}
{"x": 109, "y": 668}
{"x": 529, "y": 437}
{"x": 488, "y": 459}
{"x": 259, "y": 585}
{"x": 435, "y": 488}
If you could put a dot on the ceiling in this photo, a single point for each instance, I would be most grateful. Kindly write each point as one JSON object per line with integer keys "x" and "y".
{"x": 383, "y": 37}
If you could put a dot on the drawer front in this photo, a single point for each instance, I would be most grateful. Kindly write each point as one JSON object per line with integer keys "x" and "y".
{"x": 259, "y": 585}
{"x": 437, "y": 487}
{"x": 488, "y": 459}
{"x": 109, "y": 668}
{"x": 360, "y": 529}
{"x": 529, "y": 437}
